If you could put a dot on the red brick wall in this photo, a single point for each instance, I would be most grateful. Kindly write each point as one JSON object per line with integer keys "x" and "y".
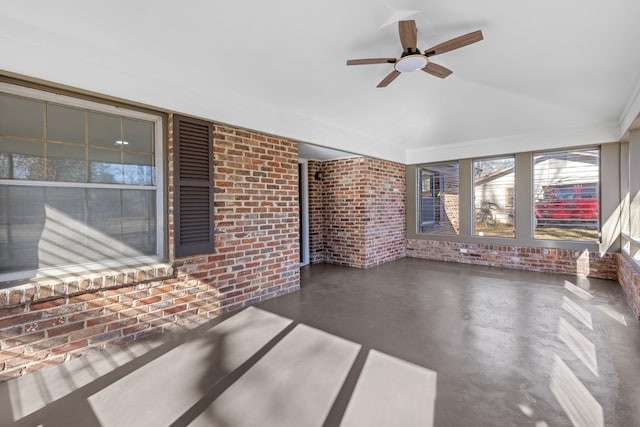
{"x": 561, "y": 261}
{"x": 357, "y": 212}
{"x": 256, "y": 257}
{"x": 629, "y": 278}
{"x": 343, "y": 205}
{"x": 256, "y": 217}
{"x": 385, "y": 217}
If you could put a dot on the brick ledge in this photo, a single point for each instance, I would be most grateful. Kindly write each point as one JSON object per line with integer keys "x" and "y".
{"x": 52, "y": 288}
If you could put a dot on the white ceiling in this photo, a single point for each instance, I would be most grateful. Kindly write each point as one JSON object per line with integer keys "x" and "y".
{"x": 316, "y": 152}
{"x": 548, "y": 73}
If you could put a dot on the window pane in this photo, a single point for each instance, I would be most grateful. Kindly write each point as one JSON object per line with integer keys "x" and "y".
{"x": 63, "y": 242}
{"x": 438, "y": 199}
{"x": 21, "y": 117}
{"x": 118, "y": 214}
{"x": 138, "y": 135}
{"x": 66, "y": 162}
{"x": 138, "y": 169}
{"x": 5, "y": 162}
{"x": 56, "y": 227}
{"x": 21, "y": 159}
{"x": 21, "y": 225}
{"x": 65, "y": 124}
{"x": 566, "y": 195}
{"x": 139, "y": 220}
{"x": 105, "y": 211}
{"x": 106, "y": 166}
{"x": 104, "y": 130}
{"x": 494, "y": 197}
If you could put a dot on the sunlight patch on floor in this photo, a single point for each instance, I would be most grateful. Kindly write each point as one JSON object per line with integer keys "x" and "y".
{"x": 308, "y": 367}
{"x": 613, "y": 313}
{"x": 578, "y": 312}
{"x": 392, "y": 392}
{"x": 221, "y": 349}
{"x": 584, "y": 349}
{"x": 578, "y": 291}
{"x": 529, "y": 412}
{"x": 525, "y": 409}
{"x": 581, "y": 407}
{"x": 33, "y": 392}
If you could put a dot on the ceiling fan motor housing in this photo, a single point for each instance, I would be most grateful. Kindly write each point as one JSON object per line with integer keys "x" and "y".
{"x": 412, "y": 62}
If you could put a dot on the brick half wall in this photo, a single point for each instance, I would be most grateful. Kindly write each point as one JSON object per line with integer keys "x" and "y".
{"x": 560, "y": 261}
{"x": 629, "y": 278}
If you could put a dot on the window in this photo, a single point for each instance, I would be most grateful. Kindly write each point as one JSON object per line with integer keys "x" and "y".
{"x": 438, "y": 200}
{"x": 494, "y": 197}
{"x": 566, "y": 188}
{"x": 80, "y": 184}
{"x": 630, "y": 197}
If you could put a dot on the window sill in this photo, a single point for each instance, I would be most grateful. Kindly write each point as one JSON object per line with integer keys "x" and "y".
{"x": 46, "y": 288}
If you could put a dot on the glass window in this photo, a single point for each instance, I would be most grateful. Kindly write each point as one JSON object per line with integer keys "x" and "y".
{"x": 66, "y": 162}
{"x": 438, "y": 199}
{"x": 87, "y": 195}
{"x": 65, "y": 124}
{"x": 494, "y": 197}
{"x": 106, "y": 165}
{"x": 105, "y": 130}
{"x": 21, "y": 159}
{"x": 138, "y": 168}
{"x": 21, "y": 117}
{"x": 566, "y": 187}
{"x": 138, "y": 135}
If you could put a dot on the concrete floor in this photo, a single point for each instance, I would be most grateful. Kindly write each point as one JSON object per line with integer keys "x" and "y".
{"x": 411, "y": 342}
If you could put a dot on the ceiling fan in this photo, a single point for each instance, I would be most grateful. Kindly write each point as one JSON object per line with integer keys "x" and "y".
{"x": 412, "y": 59}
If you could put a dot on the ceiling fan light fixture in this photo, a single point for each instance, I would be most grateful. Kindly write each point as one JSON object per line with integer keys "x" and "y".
{"x": 412, "y": 59}
{"x": 411, "y": 63}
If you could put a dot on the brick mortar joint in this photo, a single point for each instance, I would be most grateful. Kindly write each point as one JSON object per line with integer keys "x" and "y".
{"x": 37, "y": 285}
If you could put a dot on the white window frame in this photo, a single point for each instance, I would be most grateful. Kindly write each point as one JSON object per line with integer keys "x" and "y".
{"x": 159, "y": 187}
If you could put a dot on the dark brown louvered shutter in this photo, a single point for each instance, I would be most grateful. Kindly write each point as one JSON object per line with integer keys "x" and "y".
{"x": 193, "y": 186}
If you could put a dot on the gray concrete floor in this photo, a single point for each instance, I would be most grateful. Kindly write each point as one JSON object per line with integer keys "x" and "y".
{"x": 411, "y": 342}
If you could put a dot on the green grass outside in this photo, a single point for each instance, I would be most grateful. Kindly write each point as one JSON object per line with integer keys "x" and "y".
{"x": 543, "y": 233}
